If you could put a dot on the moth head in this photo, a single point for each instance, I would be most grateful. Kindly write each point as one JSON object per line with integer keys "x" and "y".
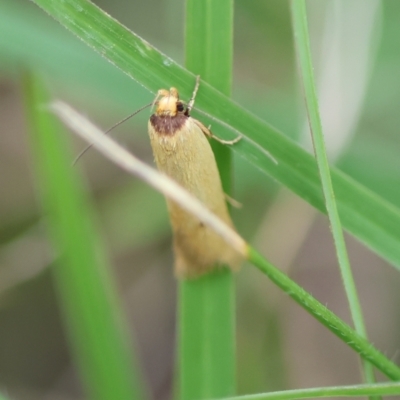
{"x": 168, "y": 103}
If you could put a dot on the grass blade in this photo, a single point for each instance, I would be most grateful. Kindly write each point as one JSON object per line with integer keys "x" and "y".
{"x": 300, "y": 28}
{"x": 326, "y": 317}
{"x": 206, "y": 337}
{"x": 87, "y": 292}
{"x": 379, "y": 389}
{"x": 207, "y": 305}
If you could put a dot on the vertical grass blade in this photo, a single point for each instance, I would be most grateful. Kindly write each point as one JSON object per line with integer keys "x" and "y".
{"x": 206, "y": 337}
{"x": 86, "y": 288}
{"x": 305, "y": 65}
{"x": 208, "y": 53}
{"x": 207, "y": 313}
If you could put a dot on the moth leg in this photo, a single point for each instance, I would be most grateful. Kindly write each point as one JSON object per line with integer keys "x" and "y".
{"x": 211, "y": 135}
{"x": 229, "y": 142}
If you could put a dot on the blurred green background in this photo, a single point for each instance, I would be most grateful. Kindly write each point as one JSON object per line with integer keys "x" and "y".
{"x": 357, "y": 60}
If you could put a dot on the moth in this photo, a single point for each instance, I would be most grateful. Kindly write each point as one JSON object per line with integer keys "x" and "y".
{"x": 182, "y": 151}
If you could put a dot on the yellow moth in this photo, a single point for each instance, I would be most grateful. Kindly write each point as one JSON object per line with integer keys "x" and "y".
{"x": 182, "y": 151}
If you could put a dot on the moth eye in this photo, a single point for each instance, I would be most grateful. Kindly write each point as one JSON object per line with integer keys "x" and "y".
{"x": 179, "y": 107}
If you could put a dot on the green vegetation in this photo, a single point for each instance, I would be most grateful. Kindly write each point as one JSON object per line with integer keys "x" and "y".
{"x": 217, "y": 357}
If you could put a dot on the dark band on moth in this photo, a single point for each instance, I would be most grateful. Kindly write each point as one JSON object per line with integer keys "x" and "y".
{"x": 167, "y": 125}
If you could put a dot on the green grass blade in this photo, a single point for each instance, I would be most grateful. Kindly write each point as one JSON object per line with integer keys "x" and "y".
{"x": 205, "y": 55}
{"x": 379, "y": 389}
{"x": 300, "y": 29}
{"x": 207, "y": 305}
{"x": 363, "y": 213}
{"x": 208, "y": 53}
{"x": 206, "y": 337}
{"x": 87, "y": 291}
{"x": 364, "y": 348}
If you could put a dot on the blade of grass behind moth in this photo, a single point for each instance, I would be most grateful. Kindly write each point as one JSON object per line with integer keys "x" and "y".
{"x": 206, "y": 305}
{"x": 301, "y": 36}
{"x": 93, "y": 315}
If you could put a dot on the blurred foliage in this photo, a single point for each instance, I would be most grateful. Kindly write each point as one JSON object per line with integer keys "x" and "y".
{"x": 285, "y": 348}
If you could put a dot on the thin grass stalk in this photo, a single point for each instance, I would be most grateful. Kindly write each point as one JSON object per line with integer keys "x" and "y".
{"x": 326, "y": 317}
{"x": 379, "y": 389}
{"x": 300, "y": 28}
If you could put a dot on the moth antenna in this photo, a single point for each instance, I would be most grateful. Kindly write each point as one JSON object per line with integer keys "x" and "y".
{"x": 110, "y": 129}
{"x": 191, "y": 101}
